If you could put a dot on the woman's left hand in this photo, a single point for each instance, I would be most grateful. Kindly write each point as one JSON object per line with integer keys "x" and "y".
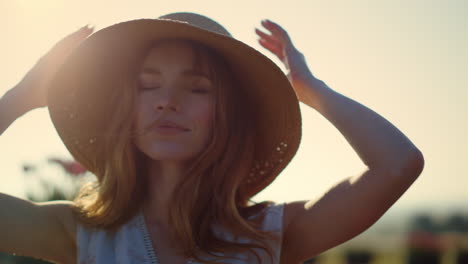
{"x": 279, "y": 43}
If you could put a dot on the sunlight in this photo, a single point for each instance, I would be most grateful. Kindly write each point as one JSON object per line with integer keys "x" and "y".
{"x": 377, "y": 66}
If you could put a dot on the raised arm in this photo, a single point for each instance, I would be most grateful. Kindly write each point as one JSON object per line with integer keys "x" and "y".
{"x": 30, "y": 93}
{"x": 41, "y": 230}
{"x": 350, "y": 207}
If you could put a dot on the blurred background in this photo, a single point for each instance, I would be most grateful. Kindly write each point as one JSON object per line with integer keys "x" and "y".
{"x": 406, "y": 60}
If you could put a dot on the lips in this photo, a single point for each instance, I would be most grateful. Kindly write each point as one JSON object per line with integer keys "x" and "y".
{"x": 169, "y": 127}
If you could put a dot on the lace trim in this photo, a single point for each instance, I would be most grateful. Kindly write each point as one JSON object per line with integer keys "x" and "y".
{"x": 148, "y": 244}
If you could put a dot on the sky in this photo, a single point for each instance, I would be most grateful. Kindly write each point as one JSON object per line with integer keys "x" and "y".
{"x": 406, "y": 60}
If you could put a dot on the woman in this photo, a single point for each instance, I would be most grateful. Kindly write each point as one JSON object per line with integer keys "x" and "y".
{"x": 182, "y": 125}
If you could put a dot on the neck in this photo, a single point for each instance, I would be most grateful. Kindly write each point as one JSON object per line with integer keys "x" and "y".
{"x": 163, "y": 177}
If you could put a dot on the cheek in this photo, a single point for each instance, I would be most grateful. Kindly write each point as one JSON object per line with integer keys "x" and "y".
{"x": 203, "y": 115}
{"x": 142, "y": 118}
{"x": 138, "y": 118}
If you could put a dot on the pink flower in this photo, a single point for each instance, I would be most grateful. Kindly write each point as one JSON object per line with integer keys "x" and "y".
{"x": 425, "y": 240}
{"x": 71, "y": 167}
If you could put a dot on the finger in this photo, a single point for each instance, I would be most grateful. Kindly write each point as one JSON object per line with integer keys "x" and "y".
{"x": 271, "y": 43}
{"x": 275, "y": 49}
{"x": 276, "y": 29}
{"x": 62, "y": 48}
{"x": 265, "y": 36}
{"x": 274, "y": 26}
{"x": 269, "y": 46}
{"x": 77, "y": 36}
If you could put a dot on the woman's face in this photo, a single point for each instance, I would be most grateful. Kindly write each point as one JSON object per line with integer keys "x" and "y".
{"x": 174, "y": 103}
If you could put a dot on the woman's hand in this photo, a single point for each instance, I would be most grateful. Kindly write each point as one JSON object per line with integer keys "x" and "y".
{"x": 280, "y": 44}
{"x": 33, "y": 87}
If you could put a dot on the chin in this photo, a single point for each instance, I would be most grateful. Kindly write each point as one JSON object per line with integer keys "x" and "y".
{"x": 171, "y": 154}
{"x": 173, "y": 157}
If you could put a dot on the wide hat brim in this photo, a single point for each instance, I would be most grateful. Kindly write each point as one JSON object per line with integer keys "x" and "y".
{"x": 79, "y": 112}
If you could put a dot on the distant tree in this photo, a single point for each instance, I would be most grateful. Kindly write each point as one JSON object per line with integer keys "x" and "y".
{"x": 424, "y": 245}
{"x": 424, "y": 222}
{"x": 457, "y": 223}
{"x": 359, "y": 257}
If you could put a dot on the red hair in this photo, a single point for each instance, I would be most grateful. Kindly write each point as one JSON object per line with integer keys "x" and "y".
{"x": 212, "y": 191}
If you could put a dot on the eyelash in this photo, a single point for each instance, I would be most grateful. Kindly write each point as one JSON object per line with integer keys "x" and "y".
{"x": 147, "y": 88}
{"x": 200, "y": 91}
{"x": 197, "y": 91}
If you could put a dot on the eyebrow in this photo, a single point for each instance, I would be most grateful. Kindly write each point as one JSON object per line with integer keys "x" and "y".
{"x": 191, "y": 72}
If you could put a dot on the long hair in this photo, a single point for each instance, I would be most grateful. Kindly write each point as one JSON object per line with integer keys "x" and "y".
{"x": 211, "y": 193}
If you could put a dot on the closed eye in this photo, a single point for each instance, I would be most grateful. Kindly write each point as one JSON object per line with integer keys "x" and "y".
{"x": 148, "y": 87}
{"x": 200, "y": 91}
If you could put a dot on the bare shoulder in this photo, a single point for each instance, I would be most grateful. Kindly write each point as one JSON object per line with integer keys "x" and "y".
{"x": 290, "y": 212}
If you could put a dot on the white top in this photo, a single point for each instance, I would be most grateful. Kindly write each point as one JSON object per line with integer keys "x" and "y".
{"x": 132, "y": 243}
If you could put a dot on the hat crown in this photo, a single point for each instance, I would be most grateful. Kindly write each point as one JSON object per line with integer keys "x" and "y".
{"x": 197, "y": 20}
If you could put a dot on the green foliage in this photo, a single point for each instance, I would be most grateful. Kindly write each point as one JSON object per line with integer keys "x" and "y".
{"x": 13, "y": 259}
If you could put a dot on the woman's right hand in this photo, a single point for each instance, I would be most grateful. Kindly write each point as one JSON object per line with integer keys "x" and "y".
{"x": 35, "y": 83}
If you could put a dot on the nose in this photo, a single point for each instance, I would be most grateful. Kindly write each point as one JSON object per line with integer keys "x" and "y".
{"x": 167, "y": 100}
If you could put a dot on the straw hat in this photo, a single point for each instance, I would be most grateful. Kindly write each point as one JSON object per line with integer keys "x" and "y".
{"x": 79, "y": 112}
